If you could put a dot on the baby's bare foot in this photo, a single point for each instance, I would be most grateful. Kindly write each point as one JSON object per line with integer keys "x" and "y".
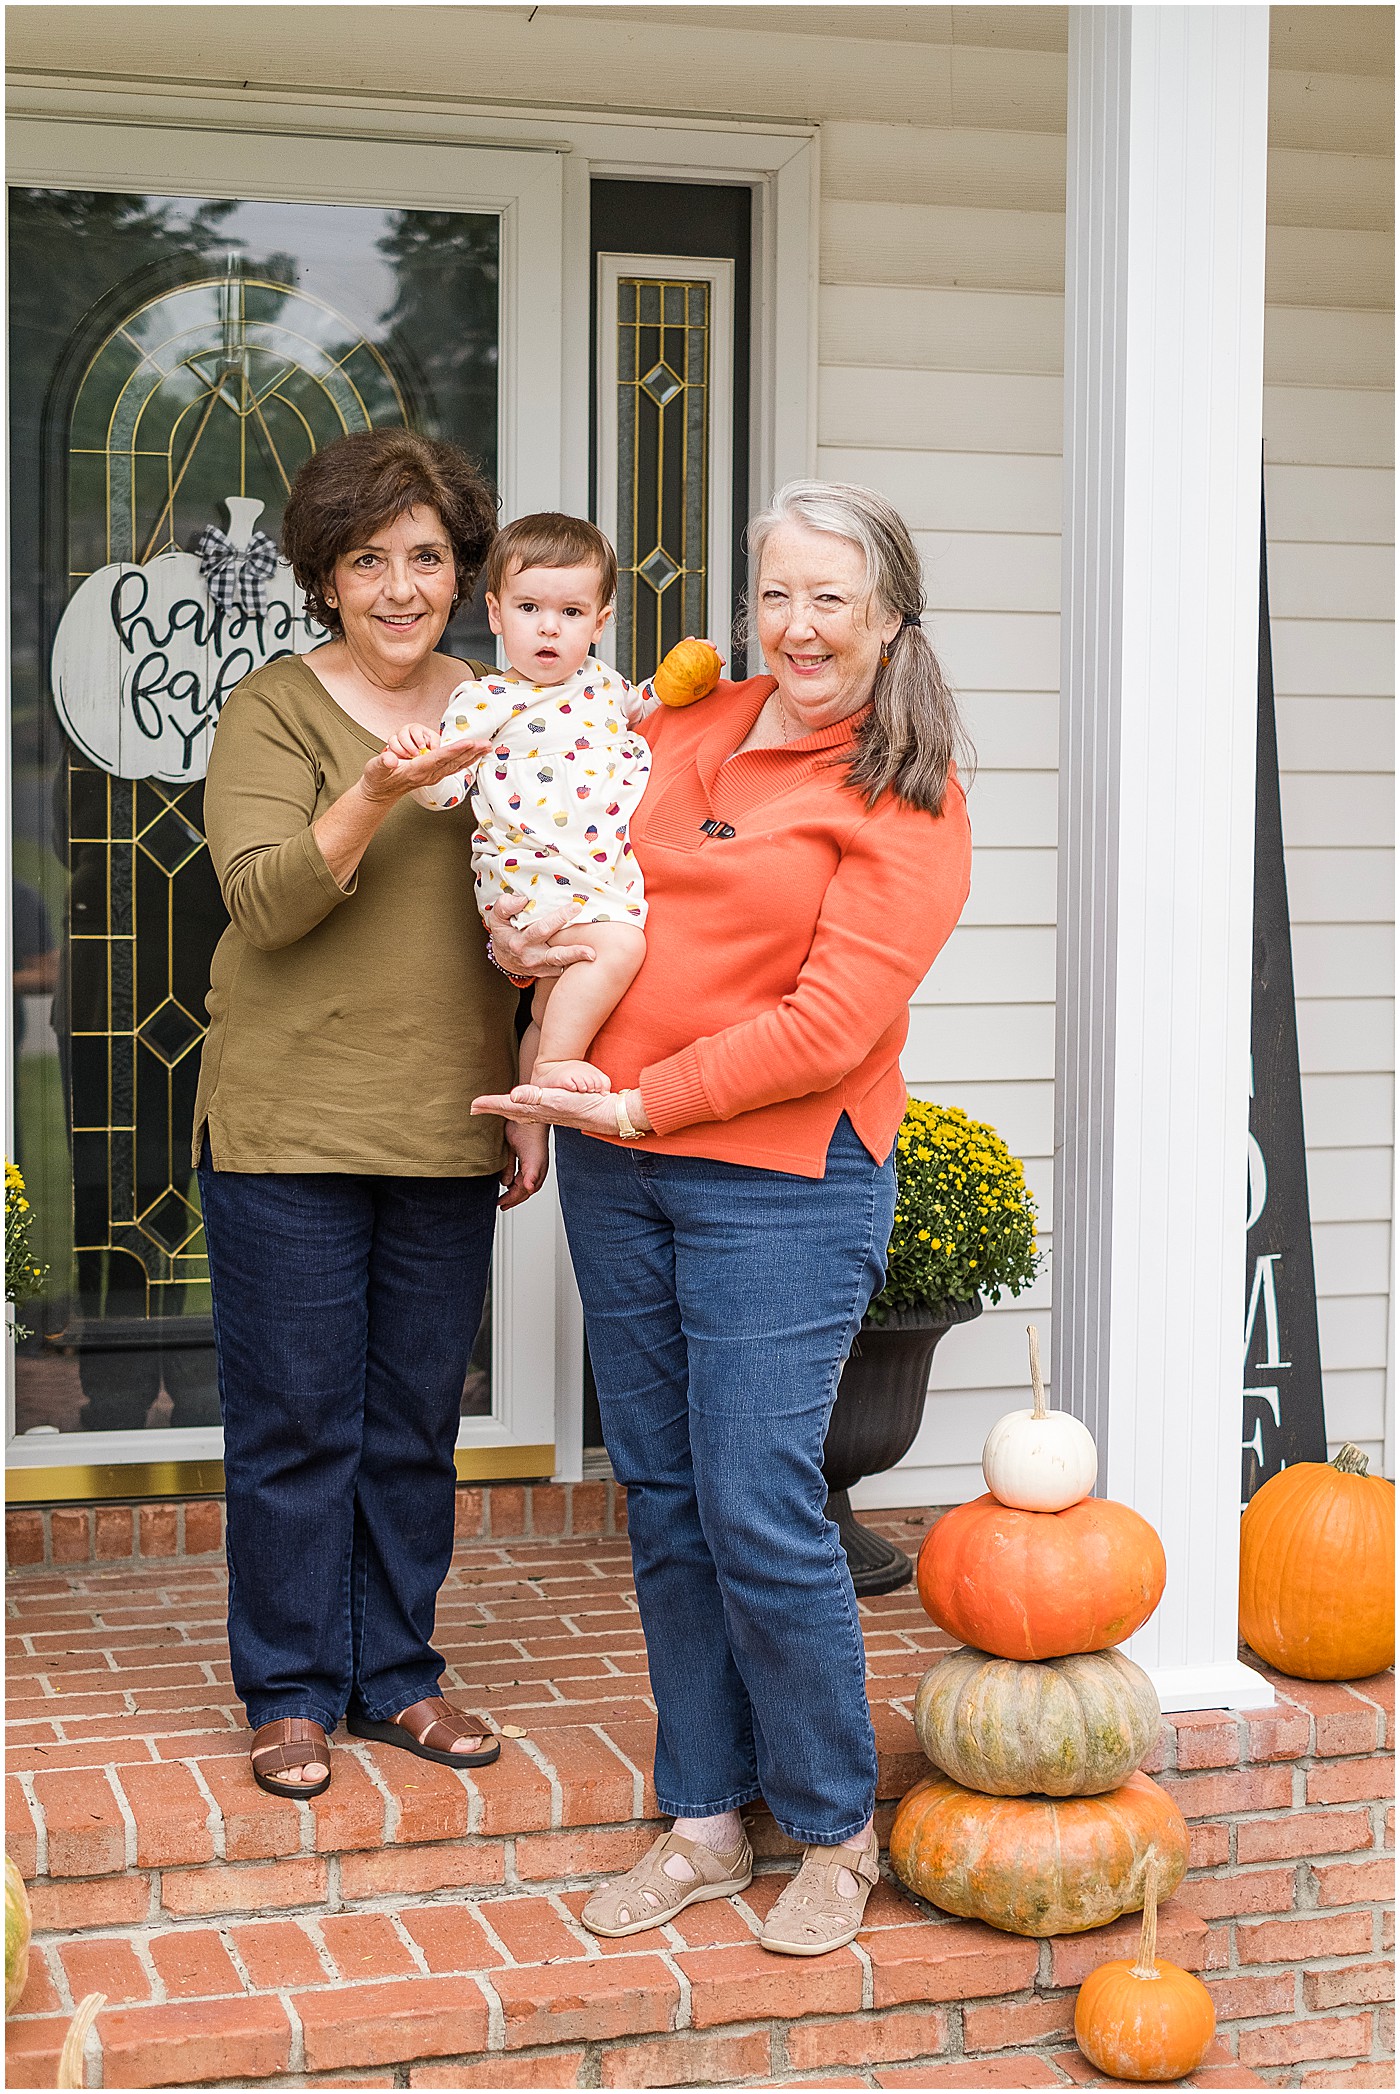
{"x": 569, "y": 1076}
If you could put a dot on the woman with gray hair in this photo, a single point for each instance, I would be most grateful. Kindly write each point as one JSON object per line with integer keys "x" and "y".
{"x": 805, "y": 847}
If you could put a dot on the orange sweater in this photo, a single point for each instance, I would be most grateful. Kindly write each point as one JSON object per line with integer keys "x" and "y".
{"x": 789, "y": 925}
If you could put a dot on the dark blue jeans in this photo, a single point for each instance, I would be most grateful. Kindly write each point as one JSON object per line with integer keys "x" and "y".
{"x": 345, "y": 1311}
{"x": 720, "y": 1302}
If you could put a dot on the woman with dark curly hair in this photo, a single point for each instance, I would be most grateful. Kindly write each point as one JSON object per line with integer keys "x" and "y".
{"x": 349, "y": 1200}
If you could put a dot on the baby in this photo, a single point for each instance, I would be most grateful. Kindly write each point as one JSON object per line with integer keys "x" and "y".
{"x": 553, "y": 796}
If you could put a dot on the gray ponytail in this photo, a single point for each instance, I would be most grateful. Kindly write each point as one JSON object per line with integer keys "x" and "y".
{"x": 913, "y": 732}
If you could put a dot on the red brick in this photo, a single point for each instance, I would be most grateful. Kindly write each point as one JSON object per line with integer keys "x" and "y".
{"x": 1226, "y": 1795}
{"x": 548, "y": 1508}
{"x": 618, "y": 1496}
{"x": 1342, "y": 1722}
{"x": 1244, "y": 1890}
{"x": 1243, "y": 1999}
{"x": 590, "y": 1507}
{"x": 64, "y": 1908}
{"x": 1279, "y": 1733}
{"x": 158, "y": 1529}
{"x": 975, "y": 2072}
{"x": 417, "y": 1871}
{"x": 364, "y": 1945}
{"x": 257, "y": 1826}
{"x": 578, "y": 2002}
{"x": 21, "y": 1839}
{"x": 114, "y": 1539}
{"x": 385, "y": 2024}
{"x": 542, "y": 1857}
{"x": 506, "y": 1509}
{"x": 595, "y": 1786}
{"x": 31, "y": 2052}
{"x": 351, "y": 1812}
{"x": 450, "y": 1938}
{"x": 1349, "y": 1985}
{"x": 1304, "y": 1940}
{"x": 1355, "y": 1882}
{"x": 1380, "y": 2074}
{"x": 86, "y": 1834}
{"x": 171, "y": 1814}
{"x": 1380, "y": 1690}
{"x": 688, "y": 2061}
{"x": 40, "y": 1994}
{"x": 193, "y": 1893}
{"x": 1206, "y": 1738}
{"x": 204, "y": 1528}
{"x": 1210, "y": 1845}
{"x": 24, "y": 1538}
{"x": 1303, "y": 1832}
{"x": 1300, "y": 2040}
{"x": 533, "y": 1931}
{"x": 547, "y": 2068}
{"x": 467, "y": 1514}
{"x": 278, "y": 1954}
{"x": 433, "y": 1802}
{"x": 109, "y": 1966}
{"x": 194, "y": 1964}
{"x": 217, "y": 2040}
{"x": 1352, "y": 1781}
{"x": 960, "y": 1960}
{"x": 1020, "y": 2022}
{"x": 70, "y": 1537}
{"x": 1182, "y": 1936}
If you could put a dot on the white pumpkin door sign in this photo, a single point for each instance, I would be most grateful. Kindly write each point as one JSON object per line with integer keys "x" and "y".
{"x": 145, "y": 654}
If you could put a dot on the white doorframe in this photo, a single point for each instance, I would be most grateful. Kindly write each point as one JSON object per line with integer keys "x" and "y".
{"x": 342, "y": 148}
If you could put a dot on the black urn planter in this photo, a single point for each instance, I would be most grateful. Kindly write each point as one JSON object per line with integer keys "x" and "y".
{"x": 876, "y": 1417}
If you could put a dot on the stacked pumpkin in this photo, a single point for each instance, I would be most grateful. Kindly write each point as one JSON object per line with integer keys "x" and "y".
{"x": 1037, "y": 1820}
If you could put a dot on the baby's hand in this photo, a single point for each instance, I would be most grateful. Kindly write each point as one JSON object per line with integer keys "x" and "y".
{"x": 411, "y": 741}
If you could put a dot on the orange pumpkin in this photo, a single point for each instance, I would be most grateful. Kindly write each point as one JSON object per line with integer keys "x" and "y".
{"x": 690, "y": 671}
{"x": 1317, "y": 1570}
{"x": 1144, "y": 2020}
{"x": 1037, "y": 1865}
{"x": 1041, "y": 1584}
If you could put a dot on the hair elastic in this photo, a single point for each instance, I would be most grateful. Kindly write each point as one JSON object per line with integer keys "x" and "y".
{"x": 912, "y": 618}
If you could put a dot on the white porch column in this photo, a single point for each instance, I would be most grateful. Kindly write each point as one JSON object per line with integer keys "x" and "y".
{"x": 1164, "y": 331}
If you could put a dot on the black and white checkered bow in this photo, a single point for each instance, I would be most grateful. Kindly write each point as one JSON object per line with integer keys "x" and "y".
{"x": 236, "y": 580}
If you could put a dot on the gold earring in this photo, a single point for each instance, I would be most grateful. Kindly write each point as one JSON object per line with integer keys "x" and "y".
{"x": 885, "y": 658}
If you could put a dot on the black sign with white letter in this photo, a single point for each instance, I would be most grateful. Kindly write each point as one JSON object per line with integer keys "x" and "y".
{"x": 1283, "y": 1418}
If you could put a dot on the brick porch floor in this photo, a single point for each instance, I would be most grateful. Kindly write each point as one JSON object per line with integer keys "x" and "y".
{"x": 418, "y": 1926}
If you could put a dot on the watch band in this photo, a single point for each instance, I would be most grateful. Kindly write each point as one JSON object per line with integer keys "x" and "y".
{"x": 626, "y": 1131}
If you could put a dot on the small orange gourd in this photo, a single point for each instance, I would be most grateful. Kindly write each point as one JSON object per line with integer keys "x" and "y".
{"x": 1317, "y": 1570}
{"x": 690, "y": 671}
{"x": 1146, "y": 2020}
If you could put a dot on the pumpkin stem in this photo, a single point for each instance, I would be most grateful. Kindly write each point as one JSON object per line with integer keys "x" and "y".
{"x": 1036, "y": 1382}
{"x": 1350, "y": 1460}
{"x": 1146, "y": 1965}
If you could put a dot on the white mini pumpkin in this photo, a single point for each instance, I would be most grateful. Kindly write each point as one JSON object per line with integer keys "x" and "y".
{"x": 1040, "y": 1460}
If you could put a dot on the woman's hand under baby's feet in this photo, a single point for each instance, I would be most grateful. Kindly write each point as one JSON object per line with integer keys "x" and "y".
{"x": 569, "y": 1076}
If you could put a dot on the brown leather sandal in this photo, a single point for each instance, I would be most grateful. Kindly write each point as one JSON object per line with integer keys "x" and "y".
{"x": 289, "y": 1741}
{"x": 413, "y": 1729}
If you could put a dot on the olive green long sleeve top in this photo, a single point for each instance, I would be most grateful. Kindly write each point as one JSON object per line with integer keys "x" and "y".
{"x": 349, "y": 1027}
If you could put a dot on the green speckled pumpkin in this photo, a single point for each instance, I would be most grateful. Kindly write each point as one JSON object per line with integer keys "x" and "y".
{"x": 17, "y": 1930}
{"x": 1073, "y": 1726}
{"x": 1038, "y": 1865}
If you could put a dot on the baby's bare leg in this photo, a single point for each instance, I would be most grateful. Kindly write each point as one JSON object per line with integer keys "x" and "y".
{"x": 575, "y": 1004}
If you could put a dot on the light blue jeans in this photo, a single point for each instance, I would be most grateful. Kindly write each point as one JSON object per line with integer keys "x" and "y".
{"x": 720, "y": 1303}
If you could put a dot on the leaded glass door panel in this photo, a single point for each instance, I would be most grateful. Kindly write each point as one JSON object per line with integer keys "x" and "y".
{"x": 174, "y": 358}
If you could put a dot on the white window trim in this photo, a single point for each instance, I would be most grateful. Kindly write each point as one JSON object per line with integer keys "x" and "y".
{"x": 61, "y": 134}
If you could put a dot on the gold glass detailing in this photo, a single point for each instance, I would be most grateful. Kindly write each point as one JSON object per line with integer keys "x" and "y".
{"x": 663, "y": 465}
{"x": 199, "y": 1479}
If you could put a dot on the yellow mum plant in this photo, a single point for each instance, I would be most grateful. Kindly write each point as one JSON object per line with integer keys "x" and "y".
{"x": 964, "y": 1220}
{"x": 23, "y": 1276}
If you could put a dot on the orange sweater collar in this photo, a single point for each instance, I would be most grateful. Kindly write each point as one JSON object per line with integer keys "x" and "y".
{"x": 722, "y": 738}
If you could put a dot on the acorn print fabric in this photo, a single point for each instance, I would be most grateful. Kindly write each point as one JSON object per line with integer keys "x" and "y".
{"x": 553, "y": 797}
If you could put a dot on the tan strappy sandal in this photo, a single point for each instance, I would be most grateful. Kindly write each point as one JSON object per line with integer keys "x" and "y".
{"x": 647, "y": 1897}
{"x": 287, "y": 1742}
{"x": 427, "y": 1730}
{"x": 813, "y": 1915}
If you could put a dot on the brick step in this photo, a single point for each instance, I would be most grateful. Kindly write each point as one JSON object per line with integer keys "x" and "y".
{"x": 510, "y": 1990}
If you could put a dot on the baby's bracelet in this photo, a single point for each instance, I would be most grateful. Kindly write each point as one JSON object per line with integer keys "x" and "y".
{"x": 521, "y": 981}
